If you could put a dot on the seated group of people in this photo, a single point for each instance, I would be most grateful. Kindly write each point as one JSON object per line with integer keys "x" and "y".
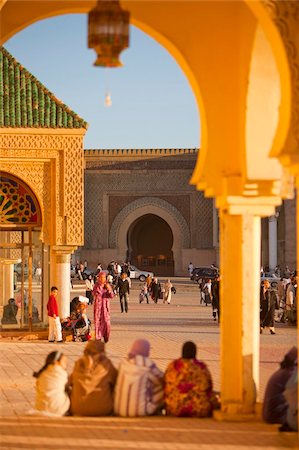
{"x": 138, "y": 388}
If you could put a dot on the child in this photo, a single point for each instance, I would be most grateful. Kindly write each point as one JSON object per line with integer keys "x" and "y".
{"x": 54, "y": 321}
{"x": 144, "y": 293}
{"x": 51, "y": 384}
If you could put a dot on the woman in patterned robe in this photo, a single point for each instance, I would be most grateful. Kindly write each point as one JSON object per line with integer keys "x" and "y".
{"x": 102, "y": 293}
{"x": 188, "y": 389}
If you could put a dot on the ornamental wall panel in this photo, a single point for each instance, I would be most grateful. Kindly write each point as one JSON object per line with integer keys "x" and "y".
{"x": 73, "y": 192}
{"x": 52, "y": 165}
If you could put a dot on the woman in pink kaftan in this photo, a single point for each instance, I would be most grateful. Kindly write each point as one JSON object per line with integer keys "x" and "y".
{"x": 102, "y": 293}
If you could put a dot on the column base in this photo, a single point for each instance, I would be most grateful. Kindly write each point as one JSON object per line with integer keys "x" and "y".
{"x": 235, "y": 412}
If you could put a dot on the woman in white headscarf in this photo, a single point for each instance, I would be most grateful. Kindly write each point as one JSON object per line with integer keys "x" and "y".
{"x": 52, "y": 385}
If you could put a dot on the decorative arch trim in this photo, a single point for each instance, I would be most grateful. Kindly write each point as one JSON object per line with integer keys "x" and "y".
{"x": 156, "y": 206}
{"x": 19, "y": 206}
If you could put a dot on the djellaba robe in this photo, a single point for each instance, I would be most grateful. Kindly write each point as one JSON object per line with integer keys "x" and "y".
{"x": 102, "y": 297}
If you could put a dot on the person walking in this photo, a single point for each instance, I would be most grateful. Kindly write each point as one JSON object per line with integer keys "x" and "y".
{"x": 281, "y": 294}
{"x": 290, "y": 301}
{"x": 144, "y": 293}
{"x": 155, "y": 290}
{"x": 207, "y": 289}
{"x": 102, "y": 293}
{"x": 190, "y": 268}
{"x": 268, "y": 303}
{"x": 53, "y": 316}
{"x": 216, "y": 298}
{"x": 123, "y": 289}
{"x": 167, "y": 292}
{"x": 89, "y": 287}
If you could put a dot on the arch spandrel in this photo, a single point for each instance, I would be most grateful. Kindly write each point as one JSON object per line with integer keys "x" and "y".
{"x": 149, "y": 205}
{"x": 19, "y": 205}
{"x": 279, "y": 20}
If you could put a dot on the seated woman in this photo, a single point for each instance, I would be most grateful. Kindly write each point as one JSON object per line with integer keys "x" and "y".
{"x": 78, "y": 321}
{"x": 10, "y": 312}
{"x": 188, "y": 390}
{"x": 275, "y": 405}
{"x": 139, "y": 390}
{"x": 92, "y": 382}
{"x": 51, "y": 386}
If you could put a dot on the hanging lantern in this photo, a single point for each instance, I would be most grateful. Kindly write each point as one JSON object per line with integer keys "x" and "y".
{"x": 108, "y": 32}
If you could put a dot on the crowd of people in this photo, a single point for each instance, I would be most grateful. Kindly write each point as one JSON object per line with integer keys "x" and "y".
{"x": 138, "y": 388}
{"x": 280, "y": 305}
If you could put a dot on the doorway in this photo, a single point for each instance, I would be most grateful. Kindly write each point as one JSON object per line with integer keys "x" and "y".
{"x": 150, "y": 241}
{"x": 22, "y": 258}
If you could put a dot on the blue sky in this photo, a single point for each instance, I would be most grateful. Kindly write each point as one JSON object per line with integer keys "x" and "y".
{"x": 153, "y": 105}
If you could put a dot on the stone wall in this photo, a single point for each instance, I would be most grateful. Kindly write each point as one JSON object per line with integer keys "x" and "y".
{"x": 114, "y": 183}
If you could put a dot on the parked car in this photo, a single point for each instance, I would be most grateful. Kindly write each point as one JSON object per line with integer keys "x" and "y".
{"x": 204, "y": 273}
{"x": 140, "y": 274}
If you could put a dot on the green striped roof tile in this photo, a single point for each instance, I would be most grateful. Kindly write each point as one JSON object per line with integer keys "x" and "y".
{"x": 27, "y": 103}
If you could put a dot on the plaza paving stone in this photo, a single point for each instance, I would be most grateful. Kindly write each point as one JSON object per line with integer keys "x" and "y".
{"x": 166, "y": 327}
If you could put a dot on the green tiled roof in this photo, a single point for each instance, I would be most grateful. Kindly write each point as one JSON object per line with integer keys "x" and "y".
{"x": 26, "y": 103}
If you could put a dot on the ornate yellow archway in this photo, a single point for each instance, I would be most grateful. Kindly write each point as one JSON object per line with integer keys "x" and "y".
{"x": 219, "y": 46}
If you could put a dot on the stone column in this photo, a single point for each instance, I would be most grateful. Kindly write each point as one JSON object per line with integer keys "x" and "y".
{"x": 272, "y": 223}
{"x": 8, "y": 281}
{"x": 240, "y": 234}
{"x": 61, "y": 277}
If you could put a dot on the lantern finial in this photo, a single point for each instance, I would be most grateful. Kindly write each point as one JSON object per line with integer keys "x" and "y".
{"x": 108, "y": 32}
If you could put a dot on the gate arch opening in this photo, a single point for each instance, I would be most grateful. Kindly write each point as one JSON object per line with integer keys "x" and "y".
{"x": 150, "y": 241}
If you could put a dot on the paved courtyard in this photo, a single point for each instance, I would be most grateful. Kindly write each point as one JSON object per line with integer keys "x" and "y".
{"x": 166, "y": 327}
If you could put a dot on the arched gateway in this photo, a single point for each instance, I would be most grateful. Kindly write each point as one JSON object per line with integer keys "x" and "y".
{"x": 159, "y": 259}
{"x": 117, "y": 198}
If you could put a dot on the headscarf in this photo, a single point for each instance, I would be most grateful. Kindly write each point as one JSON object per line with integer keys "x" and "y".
{"x": 94, "y": 350}
{"x": 102, "y": 273}
{"x": 290, "y": 358}
{"x": 189, "y": 350}
{"x": 52, "y": 358}
{"x": 140, "y": 347}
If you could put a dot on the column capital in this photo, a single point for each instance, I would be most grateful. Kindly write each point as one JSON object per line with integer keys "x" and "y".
{"x": 7, "y": 261}
{"x": 262, "y": 206}
{"x": 63, "y": 253}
